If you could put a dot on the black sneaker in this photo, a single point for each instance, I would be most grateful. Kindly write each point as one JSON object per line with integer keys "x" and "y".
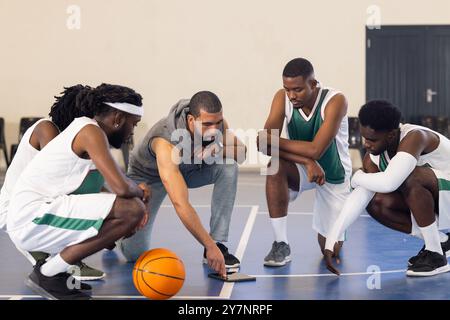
{"x": 428, "y": 263}
{"x": 53, "y": 288}
{"x": 230, "y": 260}
{"x": 445, "y": 249}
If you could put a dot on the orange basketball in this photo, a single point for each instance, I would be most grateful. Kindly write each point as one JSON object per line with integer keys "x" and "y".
{"x": 158, "y": 274}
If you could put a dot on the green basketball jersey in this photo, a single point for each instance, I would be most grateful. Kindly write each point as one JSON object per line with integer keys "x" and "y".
{"x": 336, "y": 160}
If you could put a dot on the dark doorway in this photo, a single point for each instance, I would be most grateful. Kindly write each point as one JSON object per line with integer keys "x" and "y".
{"x": 410, "y": 66}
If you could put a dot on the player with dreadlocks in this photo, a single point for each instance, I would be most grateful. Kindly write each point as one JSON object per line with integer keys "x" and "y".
{"x": 62, "y": 113}
{"x": 57, "y": 205}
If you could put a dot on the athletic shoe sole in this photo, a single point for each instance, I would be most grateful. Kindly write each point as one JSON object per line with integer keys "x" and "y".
{"x": 442, "y": 269}
{"x": 40, "y": 291}
{"x": 272, "y": 263}
{"x": 89, "y": 278}
{"x": 228, "y": 266}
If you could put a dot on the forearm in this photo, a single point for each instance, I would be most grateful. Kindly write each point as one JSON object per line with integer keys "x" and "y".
{"x": 398, "y": 169}
{"x": 355, "y": 204}
{"x": 191, "y": 221}
{"x": 301, "y": 148}
{"x": 294, "y": 158}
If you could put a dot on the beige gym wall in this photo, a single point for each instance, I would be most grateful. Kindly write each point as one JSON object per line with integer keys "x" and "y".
{"x": 168, "y": 50}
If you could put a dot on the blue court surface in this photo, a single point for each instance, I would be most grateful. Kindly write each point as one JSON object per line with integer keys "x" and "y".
{"x": 373, "y": 264}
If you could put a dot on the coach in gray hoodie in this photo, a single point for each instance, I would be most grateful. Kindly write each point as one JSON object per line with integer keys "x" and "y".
{"x": 190, "y": 148}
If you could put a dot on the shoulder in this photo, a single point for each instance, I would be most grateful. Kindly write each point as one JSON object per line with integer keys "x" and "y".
{"x": 337, "y": 99}
{"x": 417, "y": 135}
{"x": 280, "y": 94}
{"x": 92, "y": 132}
{"x": 160, "y": 145}
{"x": 336, "y": 105}
{"x": 46, "y": 126}
{"x": 279, "y": 97}
{"x": 43, "y": 132}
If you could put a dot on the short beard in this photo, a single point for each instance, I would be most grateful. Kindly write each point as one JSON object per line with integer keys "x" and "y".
{"x": 117, "y": 138}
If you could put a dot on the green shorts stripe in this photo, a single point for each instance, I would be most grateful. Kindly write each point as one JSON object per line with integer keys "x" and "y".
{"x": 68, "y": 223}
{"x": 443, "y": 184}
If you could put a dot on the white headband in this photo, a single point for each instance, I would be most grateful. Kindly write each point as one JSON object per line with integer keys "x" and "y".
{"x": 127, "y": 107}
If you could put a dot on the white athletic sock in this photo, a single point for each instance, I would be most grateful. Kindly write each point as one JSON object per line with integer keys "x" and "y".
{"x": 442, "y": 236}
{"x": 279, "y": 226}
{"x": 431, "y": 237}
{"x": 54, "y": 266}
{"x": 416, "y": 232}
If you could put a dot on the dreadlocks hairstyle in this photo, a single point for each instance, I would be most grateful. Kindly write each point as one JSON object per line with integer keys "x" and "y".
{"x": 64, "y": 110}
{"x": 91, "y": 102}
{"x": 380, "y": 115}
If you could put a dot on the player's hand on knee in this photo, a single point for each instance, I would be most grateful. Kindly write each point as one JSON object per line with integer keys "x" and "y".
{"x": 147, "y": 192}
{"x": 315, "y": 172}
{"x": 144, "y": 220}
{"x": 329, "y": 255}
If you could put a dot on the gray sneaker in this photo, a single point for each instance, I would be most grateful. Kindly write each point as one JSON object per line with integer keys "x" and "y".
{"x": 279, "y": 255}
{"x": 87, "y": 273}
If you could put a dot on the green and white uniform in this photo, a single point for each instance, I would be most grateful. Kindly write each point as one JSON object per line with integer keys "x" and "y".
{"x": 56, "y": 201}
{"x": 437, "y": 160}
{"x": 335, "y": 162}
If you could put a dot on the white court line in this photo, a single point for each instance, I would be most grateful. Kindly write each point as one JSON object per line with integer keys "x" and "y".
{"x": 227, "y": 288}
{"x": 227, "y": 294}
{"x": 305, "y": 213}
{"x": 323, "y": 274}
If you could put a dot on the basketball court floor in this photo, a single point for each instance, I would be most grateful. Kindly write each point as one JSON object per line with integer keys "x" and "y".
{"x": 373, "y": 263}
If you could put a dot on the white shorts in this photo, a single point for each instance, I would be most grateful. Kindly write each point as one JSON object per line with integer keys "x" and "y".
{"x": 444, "y": 198}
{"x": 328, "y": 203}
{"x": 65, "y": 221}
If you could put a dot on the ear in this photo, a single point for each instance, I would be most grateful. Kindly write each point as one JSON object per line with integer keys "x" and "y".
{"x": 119, "y": 119}
{"x": 313, "y": 83}
{"x": 392, "y": 134}
{"x": 190, "y": 121}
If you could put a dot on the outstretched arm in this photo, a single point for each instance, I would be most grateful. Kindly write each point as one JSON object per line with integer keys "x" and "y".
{"x": 353, "y": 207}
{"x": 177, "y": 191}
{"x": 400, "y": 166}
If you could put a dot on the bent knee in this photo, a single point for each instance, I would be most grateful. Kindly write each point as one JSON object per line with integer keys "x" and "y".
{"x": 375, "y": 206}
{"x": 134, "y": 209}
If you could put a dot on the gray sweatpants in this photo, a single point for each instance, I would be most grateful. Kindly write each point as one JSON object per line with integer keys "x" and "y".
{"x": 223, "y": 176}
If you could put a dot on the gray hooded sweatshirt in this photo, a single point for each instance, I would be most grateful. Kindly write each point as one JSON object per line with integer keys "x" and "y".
{"x": 142, "y": 165}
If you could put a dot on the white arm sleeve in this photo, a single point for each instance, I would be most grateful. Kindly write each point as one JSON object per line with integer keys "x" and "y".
{"x": 398, "y": 169}
{"x": 355, "y": 204}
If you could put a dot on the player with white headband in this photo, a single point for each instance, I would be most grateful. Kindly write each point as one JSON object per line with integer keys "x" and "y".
{"x": 57, "y": 205}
